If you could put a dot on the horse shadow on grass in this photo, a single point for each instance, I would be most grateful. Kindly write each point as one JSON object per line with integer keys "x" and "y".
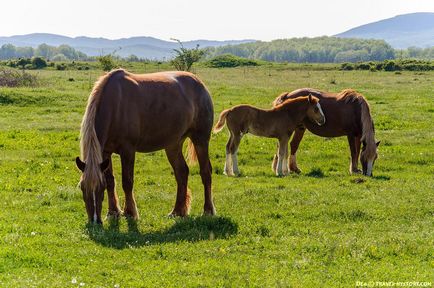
{"x": 190, "y": 229}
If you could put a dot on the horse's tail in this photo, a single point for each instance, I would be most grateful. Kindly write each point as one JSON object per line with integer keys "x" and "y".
{"x": 191, "y": 153}
{"x": 221, "y": 122}
{"x": 90, "y": 147}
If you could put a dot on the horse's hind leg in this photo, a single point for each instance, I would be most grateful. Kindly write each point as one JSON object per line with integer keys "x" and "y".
{"x": 228, "y": 170}
{"x": 201, "y": 148}
{"x": 127, "y": 161}
{"x": 113, "y": 202}
{"x": 180, "y": 168}
{"x": 295, "y": 142}
{"x": 234, "y": 154}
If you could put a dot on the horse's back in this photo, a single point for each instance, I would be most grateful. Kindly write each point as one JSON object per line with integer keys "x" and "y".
{"x": 342, "y": 116}
{"x": 151, "y": 111}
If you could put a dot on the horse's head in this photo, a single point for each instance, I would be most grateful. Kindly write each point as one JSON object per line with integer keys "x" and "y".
{"x": 368, "y": 157}
{"x": 314, "y": 111}
{"x": 93, "y": 184}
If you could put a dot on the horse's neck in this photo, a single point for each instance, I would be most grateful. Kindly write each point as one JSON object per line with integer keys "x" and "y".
{"x": 296, "y": 111}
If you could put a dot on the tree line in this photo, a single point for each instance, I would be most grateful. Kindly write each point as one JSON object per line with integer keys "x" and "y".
{"x": 296, "y": 50}
{"x": 320, "y": 50}
{"x": 60, "y": 53}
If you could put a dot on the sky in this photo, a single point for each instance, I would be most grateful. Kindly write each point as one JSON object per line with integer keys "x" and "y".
{"x": 198, "y": 19}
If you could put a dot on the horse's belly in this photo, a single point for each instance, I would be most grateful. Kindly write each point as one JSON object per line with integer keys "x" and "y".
{"x": 326, "y": 130}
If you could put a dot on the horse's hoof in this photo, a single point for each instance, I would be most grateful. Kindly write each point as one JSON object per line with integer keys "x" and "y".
{"x": 175, "y": 213}
{"x": 133, "y": 216}
{"x": 356, "y": 171}
{"x": 209, "y": 211}
{"x": 116, "y": 214}
{"x": 296, "y": 171}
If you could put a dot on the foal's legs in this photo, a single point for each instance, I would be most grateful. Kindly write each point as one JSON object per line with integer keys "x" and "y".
{"x": 113, "y": 202}
{"x": 201, "y": 148}
{"x": 127, "y": 162}
{"x": 282, "y": 155}
{"x": 274, "y": 163}
{"x": 295, "y": 142}
{"x": 180, "y": 168}
{"x": 234, "y": 154}
{"x": 228, "y": 170}
{"x": 231, "y": 165}
{"x": 355, "y": 150}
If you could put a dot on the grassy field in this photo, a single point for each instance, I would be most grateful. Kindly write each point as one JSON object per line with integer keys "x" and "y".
{"x": 322, "y": 228}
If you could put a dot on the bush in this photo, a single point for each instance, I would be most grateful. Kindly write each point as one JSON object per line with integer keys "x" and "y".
{"x": 14, "y": 78}
{"x": 363, "y": 66}
{"x": 390, "y": 65}
{"x": 228, "y": 60}
{"x": 61, "y": 66}
{"x": 185, "y": 58}
{"x": 347, "y": 66}
{"x": 107, "y": 62}
{"x": 39, "y": 62}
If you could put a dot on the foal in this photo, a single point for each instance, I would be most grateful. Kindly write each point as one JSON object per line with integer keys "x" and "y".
{"x": 278, "y": 122}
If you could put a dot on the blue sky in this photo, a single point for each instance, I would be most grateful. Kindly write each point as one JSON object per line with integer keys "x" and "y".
{"x": 198, "y": 19}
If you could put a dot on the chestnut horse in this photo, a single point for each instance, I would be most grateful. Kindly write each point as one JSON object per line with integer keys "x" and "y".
{"x": 128, "y": 113}
{"x": 278, "y": 122}
{"x": 348, "y": 114}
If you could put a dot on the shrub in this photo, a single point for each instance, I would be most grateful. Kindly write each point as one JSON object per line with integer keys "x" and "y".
{"x": 39, "y": 62}
{"x": 14, "y": 78}
{"x": 107, "y": 62}
{"x": 228, "y": 60}
{"x": 185, "y": 58}
{"x": 390, "y": 65}
{"x": 347, "y": 66}
{"x": 61, "y": 66}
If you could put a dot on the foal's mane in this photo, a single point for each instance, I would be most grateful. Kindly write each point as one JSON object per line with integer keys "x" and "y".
{"x": 289, "y": 102}
{"x": 368, "y": 130}
{"x": 90, "y": 147}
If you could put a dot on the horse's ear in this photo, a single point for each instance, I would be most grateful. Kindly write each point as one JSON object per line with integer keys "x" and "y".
{"x": 309, "y": 98}
{"x": 80, "y": 164}
{"x": 378, "y": 143}
{"x": 104, "y": 165}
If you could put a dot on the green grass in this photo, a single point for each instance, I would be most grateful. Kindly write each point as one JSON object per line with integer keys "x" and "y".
{"x": 321, "y": 228}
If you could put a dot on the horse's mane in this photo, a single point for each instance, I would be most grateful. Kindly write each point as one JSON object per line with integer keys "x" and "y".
{"x": 90, "y": 147}
{"x": 368, "y": 130}
{"x": 292, "y": 101}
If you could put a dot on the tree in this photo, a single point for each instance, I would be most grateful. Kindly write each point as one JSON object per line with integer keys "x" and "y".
{"x": 185, "y": 58}
{"x": 7, "y": 51}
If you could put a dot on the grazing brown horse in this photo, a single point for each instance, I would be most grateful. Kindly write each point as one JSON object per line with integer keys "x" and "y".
{"x": 347, "y": 114}
{"x": 129, "y": 113}
{"x": 278, "y": 122}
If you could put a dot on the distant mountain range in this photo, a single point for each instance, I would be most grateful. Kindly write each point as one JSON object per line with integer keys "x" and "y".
{"x": 144, "y": 47}
{"x": 403, "y": 31}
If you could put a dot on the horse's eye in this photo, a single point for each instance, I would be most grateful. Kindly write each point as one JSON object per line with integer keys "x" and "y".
{"x": 316, "y": 109}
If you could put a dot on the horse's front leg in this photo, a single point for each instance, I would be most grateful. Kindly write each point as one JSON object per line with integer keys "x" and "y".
{"x": 113, "y": 202}
{"x": 127, "y": 162}
{"x": 275, "y": 158}
{"x": 354, "y": 143}
{"x": 282, "y": 155}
